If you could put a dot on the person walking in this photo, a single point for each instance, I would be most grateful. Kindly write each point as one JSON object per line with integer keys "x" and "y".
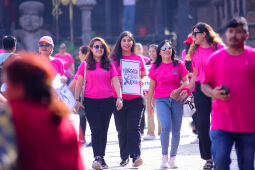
{"x": 232, "y": 112}
{"x": 46, "y": 138}
{"x": 150, "y": 117}
{"x": 205, "y": 42}
{"x": 100, "y": 74}
{"x": 166, "y": 76}
{"x": 128, "y": 119}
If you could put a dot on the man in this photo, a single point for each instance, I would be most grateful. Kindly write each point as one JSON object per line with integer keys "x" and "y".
{"x": 9, "y": 45}
{"x": 230, "y": 81}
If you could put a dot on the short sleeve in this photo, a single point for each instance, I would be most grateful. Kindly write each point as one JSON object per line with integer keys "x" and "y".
{"x": 71, "y": 59}
{"x": 152, "y": 72}
{"x": 209, "y": 72}
{"x": 80, "y": 70}
{"x": 142, "y": 64}
{"x": 183, "y": 70}
{"x": 113, "y": 71}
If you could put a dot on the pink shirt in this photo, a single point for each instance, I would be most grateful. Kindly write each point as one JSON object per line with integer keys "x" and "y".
{"x": 98, "y": 81}
{"x": 237, "y": 73}
{"x": 68, "y": 61}
{"x": 1, "y": 50}
{"x": 146, "y": 59}
{"x": 183, "y": 55}
{"x": 167, "y": 78}
{"x": 58, "y": 65}
{"x": 134, "y": 57}
{"x": 199, "y": 60}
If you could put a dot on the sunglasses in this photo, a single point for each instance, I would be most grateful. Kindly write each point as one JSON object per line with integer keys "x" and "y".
{"x": 194, "y": 34}
{"x": 99, "y": 46}
{"x": 166, "y": 47}
{"x": 44, "y": 45}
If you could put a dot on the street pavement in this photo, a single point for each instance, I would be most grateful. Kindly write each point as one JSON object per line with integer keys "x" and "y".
{"x": 188, "y": 157}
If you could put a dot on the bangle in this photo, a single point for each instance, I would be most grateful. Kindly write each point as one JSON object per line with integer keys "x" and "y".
{"x": 187, "y": 89}
{"x": 120, "y": 98}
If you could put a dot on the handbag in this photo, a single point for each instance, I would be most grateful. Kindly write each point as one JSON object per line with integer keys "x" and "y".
{"x": 188, "y": 107}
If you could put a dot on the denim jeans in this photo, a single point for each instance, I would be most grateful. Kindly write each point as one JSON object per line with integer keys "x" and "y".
{"x": 222, "y": 142}
{"x": 170, "y": 114}
{"x": 129, "y": 18}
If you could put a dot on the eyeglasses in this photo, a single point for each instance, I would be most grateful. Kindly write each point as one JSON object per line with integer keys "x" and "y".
{"x": 166, "y": 47}
{"x": 44, "y": 45}
{"x": 99, "y": 46}
{"x": 194, "y": 34}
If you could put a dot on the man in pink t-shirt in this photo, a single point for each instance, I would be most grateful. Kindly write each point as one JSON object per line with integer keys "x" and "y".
{"x": 230, "y": 81}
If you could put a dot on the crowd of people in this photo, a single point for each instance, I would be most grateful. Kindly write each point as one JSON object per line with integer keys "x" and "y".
{"x": 37, "y": 132}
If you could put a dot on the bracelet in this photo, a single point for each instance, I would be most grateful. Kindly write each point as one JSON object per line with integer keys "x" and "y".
{"x": 187, "y": 89}
{"x": 77, "y": 99}
{"x": 120, "y": 98}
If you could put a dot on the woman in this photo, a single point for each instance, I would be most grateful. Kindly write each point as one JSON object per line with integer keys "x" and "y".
{"x": 46, "y": 46}
{"x": 98, "y": 92}
{"x": 166, "y": 89}
{"x": 206, "y": 42}
{"x": 150, "y": 117}
{"x": 128, "y": 119}
{"x": 82, "y": 56}
{"x": 45, "y": 136}
{"x": 67, "y": 60}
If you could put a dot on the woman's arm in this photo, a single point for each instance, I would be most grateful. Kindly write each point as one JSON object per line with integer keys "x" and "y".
{"x": 116, "y": 85}
{"x": 149, "y": 97}
{"x": 78, "y": 88}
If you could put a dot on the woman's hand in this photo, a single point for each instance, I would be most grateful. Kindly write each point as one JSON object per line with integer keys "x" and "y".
{"x": 150, "y": 108}
{"x": 120, "y": 78}
{"x": 141, "y": 83}
{"x": 78, "y": 105}
{"x": 119, "y": 104}
{"x": 175, "y": 94}
{"x": 183, "y": 95}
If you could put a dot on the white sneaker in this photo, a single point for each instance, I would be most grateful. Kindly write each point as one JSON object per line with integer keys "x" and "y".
{"x": 172, "y": 163}
{"x": 149, "y": 137}
{"x": 164, "y": 162}
{"x": 196, "y": 141}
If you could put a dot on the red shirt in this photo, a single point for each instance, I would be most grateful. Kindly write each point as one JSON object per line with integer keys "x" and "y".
{"x": 42, "y": 143}
{"x": 238, "y": 74}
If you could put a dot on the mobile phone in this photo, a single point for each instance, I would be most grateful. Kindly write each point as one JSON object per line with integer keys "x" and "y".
{"x": 223, "y": 87}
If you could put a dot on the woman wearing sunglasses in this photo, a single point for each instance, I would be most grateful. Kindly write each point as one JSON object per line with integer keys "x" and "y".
{"x": 128, "y": 119}
{"x": 46, "y": 46}
{"x": 166, "y": 76}
{"x": 98, "y": 100}
{"x": 205, "y": 42}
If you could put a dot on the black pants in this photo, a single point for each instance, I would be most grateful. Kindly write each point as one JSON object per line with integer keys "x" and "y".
{"x": 83, "y": 123}
{"x": 127, "y": 122}
{"x": 98, "y": 114}
{"x": 203, "y": 107}
{"x": 142, "y": 126}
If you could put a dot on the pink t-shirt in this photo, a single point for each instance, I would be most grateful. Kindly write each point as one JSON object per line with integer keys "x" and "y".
{"x": 142, "y": 68}
{"x": 98, "y": 81}
{"x": 199, "y": 60}
{"x": 57, "y": 65}
{"x": 1, "y": 50}
{"x": 237, "y": 73}
{"x": 146, "y": 59}
{"x": 183, "y": 55}
{"x": 167, "y": 78}
{"x": 68, "y": 61}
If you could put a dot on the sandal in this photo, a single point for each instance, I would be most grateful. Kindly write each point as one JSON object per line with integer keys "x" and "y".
{"x": 208, "y": 165}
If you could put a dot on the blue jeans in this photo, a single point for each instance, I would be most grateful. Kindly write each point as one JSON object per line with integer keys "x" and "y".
{"x": 129, "y": 18}
{"x": 170, "y": 114}
{"x": 222, "y": 142}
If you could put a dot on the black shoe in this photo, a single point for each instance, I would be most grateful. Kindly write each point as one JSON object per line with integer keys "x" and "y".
{"x": 124, "y": 162}
{"x": 104, "y": 165}
{"x": 97, "y": 163}
{"x": 137, "y": 161}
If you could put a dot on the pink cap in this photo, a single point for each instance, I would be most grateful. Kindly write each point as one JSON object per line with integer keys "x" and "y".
{"x": 189, "y": 39}
{"x": 46, "y": 39}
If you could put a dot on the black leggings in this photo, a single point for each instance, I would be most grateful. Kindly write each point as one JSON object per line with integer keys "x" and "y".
{"x": 203, "y": 107}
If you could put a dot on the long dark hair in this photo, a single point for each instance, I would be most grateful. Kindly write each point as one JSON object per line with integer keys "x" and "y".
{"x": 35, "y": 74}
{"x": 211, "y": 37}
{"x": 159, "y": 57}
{"x": 105, "y": 60}
{"x": 116, "y": 54}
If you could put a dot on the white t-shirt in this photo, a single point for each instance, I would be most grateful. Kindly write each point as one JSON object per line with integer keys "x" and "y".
{"x": 129, "y": 2}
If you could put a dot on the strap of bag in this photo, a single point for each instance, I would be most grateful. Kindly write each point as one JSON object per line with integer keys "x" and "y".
{"x": 84, "y": 82}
